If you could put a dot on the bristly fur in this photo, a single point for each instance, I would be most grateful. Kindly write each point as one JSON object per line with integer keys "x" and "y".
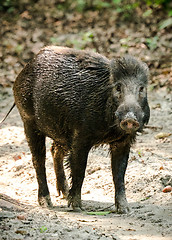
{"x": 129, "y": 67}
{"x": 72, "y": 97}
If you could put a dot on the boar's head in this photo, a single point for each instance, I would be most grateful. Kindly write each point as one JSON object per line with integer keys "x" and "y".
{"x": 129, "y": 79}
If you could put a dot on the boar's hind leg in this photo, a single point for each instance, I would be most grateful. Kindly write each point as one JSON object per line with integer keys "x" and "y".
{"x": 36, "y": 141}
{"x": 119, "y": 161}
{"x": 78, "y": 162}
{"x": 58, "y": 154}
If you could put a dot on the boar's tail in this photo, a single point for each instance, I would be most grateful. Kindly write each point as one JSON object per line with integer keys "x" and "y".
{"x": 7, "y": 113}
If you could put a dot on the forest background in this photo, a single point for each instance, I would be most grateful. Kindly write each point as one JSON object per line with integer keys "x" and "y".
{"x": 113, "y": 28}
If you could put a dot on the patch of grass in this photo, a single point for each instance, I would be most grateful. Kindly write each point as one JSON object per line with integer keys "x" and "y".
{"x": 43, "y": 229}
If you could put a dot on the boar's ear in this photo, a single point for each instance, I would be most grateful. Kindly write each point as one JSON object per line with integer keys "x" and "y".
{"x": 118, "y": 68}
{"x": 145, "y": 68}
{"x": 114, "y": 63}
{"x": 114, "y": 68}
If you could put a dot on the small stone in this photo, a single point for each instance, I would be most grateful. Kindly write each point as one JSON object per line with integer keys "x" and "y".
{"x": 21, "y": 231}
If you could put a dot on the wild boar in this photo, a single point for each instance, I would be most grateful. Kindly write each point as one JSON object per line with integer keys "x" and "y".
{"x": 81, "y": 99}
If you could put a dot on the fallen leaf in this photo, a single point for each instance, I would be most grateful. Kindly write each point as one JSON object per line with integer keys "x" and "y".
{"x": 21, "y": 217}
{"x": 20, "y": 231}
{"x": 167, "y": 189}
{"x": 146, "y": 198}
{"x": 98, "y": 213}
{"x": 162, "y": 135}
{"x": 17, "y": 157}
{"x": 26, "y": 15}
{"x": 130, "y": 229}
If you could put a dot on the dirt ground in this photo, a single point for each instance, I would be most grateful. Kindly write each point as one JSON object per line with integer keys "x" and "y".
{"x": 149, "y": 171}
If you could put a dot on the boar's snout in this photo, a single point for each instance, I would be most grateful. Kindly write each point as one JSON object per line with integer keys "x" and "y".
{"x": 129, "y": 121}
{"x": 129, "y": 125}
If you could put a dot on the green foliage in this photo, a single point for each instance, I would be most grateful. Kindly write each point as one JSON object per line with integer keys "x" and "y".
{"x": 165, "y": 23}
{"x": 118, "y": 5}
{"x": 152, "y": 42}
{"x": 19, "y": 49}
{"x": 11, "y": 6}
{"x": 170, "y": 13}
{"x": 147, "y": 13}
{"x": 79, "y": 41}
{"x": 157, "y": 2}
{"x": 8, "y": 5}
{"x": 80, "y": 5}
{"x": 98, "y": 4}
{"x": 125, "y": 7}
{"x": 125, "y": 42}
{"x": 83, "y": 5}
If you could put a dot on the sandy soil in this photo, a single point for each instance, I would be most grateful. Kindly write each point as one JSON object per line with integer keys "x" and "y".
{"x": 148, "y": 172}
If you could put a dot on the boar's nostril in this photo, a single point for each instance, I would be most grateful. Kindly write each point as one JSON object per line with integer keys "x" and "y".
{"x": 129, "y": 125}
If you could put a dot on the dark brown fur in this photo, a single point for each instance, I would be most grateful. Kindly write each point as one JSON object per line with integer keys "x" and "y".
{"x": 74, "y": 98}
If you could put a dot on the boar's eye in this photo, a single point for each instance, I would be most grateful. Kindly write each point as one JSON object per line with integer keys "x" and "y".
{"x": 141, "y": 89}
{"x": 118, "y": 88}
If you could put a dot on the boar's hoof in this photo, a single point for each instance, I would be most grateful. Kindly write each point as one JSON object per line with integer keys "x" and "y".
{"x": 122, "y": 209}
{"x": 45, "y": 201}
{"x": 63, "y": 188}
{"x": 122, "y": 205}
{"x": 75, "y": 202}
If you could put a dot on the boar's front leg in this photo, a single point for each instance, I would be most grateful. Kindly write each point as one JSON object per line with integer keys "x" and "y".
{"x": 119, "y": 161}
{"x": 78, "y": 161}
{"x": 36, "y": 141}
